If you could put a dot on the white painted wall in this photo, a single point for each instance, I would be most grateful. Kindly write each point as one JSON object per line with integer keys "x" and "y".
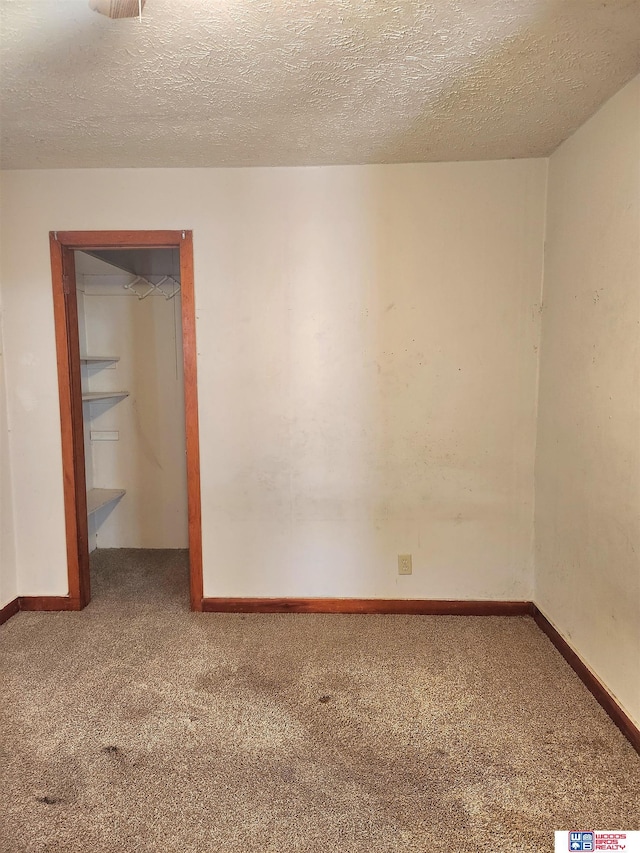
{"x": 367, "y": 364}
{"x": 8, "y": 578}
{"x": 148, "y": 459}
{"x": 588, "y": 465}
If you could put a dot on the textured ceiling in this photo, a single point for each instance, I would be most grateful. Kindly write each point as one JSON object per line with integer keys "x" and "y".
{"x": 292, "y": 82}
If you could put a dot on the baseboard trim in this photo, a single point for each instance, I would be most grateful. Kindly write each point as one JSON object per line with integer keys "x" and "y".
{"x": 49, "y": 602}
{"x": 400, "y": 606}
{"x": 38, "y": 603}
{"x": 9, "y": 610}
{"x": 590, "y": 680}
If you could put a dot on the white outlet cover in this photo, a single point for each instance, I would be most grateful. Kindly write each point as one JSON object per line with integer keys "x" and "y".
{"x": 404, "y": 564}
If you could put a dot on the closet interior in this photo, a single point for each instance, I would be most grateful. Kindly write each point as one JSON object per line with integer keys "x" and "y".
{"x": 129, "y": 324}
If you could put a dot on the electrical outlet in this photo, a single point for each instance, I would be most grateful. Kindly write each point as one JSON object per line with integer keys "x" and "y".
{"x": 404, "y": 564}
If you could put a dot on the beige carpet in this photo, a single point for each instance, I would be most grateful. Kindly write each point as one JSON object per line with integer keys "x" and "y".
{"x": 139, "y": 726}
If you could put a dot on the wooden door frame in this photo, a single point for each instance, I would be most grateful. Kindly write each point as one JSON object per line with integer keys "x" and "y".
{"x": 62, "y": 245}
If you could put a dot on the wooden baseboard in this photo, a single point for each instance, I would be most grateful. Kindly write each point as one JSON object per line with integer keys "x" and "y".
{"x": 9, "y": 610}
{"x": 49, "y": 602}
{"x": 418, "y": 607}
{"x": 40, "y": 603}
{"x": 589, "y": 679}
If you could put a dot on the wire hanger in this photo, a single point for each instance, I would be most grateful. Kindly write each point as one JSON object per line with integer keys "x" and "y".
{"x": 153, "y": 288}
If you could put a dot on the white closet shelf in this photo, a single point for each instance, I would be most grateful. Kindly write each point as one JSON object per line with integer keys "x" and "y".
{"x": 97, "y": 498}
{"x": 97, "y": 359}
{"x": 87, "y": 396}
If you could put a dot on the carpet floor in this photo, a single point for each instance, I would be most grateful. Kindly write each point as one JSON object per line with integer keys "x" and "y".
{"x": 136, "y": 726}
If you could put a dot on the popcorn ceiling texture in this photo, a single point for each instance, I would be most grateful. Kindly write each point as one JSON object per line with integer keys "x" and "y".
{"x": 300, "y": 82}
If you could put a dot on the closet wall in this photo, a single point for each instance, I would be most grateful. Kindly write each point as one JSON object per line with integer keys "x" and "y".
{"x": 148, "y": 457}
{"x": 87, "y": 373}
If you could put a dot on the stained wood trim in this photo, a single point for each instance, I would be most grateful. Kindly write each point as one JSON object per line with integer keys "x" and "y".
{"x": 9, "y": 610}
{"x": 82, "y": 588}
{"x": 49, "y": 602}
{"x": 70, "y": 394}
{"x": 191, "y": 419}
{"x": 62, "y": 246}
{"x": 421, "y": 607}
{"x": 590, "y": 680}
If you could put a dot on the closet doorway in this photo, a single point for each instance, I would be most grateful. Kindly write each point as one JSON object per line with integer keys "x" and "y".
{"x": 141, "y": 265}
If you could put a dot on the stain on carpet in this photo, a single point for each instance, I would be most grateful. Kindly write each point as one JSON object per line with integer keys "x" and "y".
{"x": 136, "y": 725}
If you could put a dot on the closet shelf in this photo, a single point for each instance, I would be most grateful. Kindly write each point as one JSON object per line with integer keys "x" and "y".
{"x": 97, "y": 498}
{"x": 87, "y": 396}
{"x": 97, "y": 359}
